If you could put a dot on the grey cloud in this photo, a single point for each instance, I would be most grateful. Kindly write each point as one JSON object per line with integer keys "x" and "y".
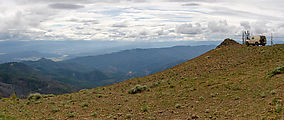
{"x": 90, "y": 21}
{"x": 13, "y": 35}
{"x": 163, "y": 32}
{"x": 144, "y": 32}
{"x": 281, "y": 25}
{"x": 65, "y": 6}
{"x": 224, "y": 11}
{"x": 85, "y": 22}
{"x": 191, "y": 4}
{"x": 22, "y": 20}
{"x": 193, "y": 0}
{"x": 120, "y": 24}
{"x": 260, "y": 27}
{"x": 220, "y": 27}
{"x": 246, "y": 25}
{"x": 189, "y": 29}
{"x": 75, "y": 1}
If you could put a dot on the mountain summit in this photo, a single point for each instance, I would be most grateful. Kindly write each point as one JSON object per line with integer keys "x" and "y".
{"x": 228, "y": 42}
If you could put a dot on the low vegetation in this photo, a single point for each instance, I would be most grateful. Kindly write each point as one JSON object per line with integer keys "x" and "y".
{"x": 278, "y": 70}
{"x": 137, "y": 89}
{"x": 34, "y": 96}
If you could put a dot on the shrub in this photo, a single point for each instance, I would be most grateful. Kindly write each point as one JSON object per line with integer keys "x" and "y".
{"x": 192, "y": 89}
{"x": 172, "y": 86}
{"x": 70, "y": 114}
{"x": 263, "y": 95}
{"x": 236, "y": 87}
{"x": 272, "y": 92}
{"x": 85, "y": 104}
{"x": 155, "y": 85}
{"x": 127, "y": 116}
{"x": 275, "y": 100}
{"x": 34, "y": 97}
{"x": 278, "y": 70}
{"x": 99, "y": 95}
{"x": 137, "y": 89}
{"x": 94, "y": 114}
{"x": 54, "y": 110}
{"x": 178, "y": 106}
{"x": 151, "y": 118}
{"x": 278, "y": 108}
{"x": 236, "y": 98}
{"x": 144, "y": 108}
{"x": 207, "y": 111}
{"x": 213, "y": 94}
{"x": 47, "y": 96}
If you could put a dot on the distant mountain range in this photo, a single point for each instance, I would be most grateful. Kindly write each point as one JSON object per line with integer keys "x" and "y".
{"x": 46, "y": 76}
{"x": 21, "y": 79}
{"x": 141, "y": 62}
{"x": 24, "y": 55}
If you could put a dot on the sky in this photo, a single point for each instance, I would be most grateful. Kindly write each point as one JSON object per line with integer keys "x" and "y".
{"x": 139, "y": 20}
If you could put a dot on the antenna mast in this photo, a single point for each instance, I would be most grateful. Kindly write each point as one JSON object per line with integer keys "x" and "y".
{"x": 243, "y": 37}
{"x": 271, "y": 39}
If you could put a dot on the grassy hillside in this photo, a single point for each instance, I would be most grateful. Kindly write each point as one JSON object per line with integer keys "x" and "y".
{"x": 231, "y": 82}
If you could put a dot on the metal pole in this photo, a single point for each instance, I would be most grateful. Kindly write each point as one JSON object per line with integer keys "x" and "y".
{"x": 243, "y": 36}
{"x": 271, "y": 39}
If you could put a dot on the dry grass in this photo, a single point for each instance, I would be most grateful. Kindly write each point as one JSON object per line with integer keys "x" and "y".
{"x": 225, "y": 83}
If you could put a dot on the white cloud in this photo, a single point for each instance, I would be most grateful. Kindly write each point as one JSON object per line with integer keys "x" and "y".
{"x": 246, "y": 25}
{"x": 137, "y": 19}
{"x": 189, "y": 29}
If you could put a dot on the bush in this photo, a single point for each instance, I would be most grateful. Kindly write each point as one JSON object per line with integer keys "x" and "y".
{"x": 178, "y": 106}
{"x": 85, "y": 104}
{"x": 278, "y": 70}
{"x": 94, "y": 114}
{"x": 54, "y": 110}
{"x": 272, "y": 92}
{"x": 47, "y": 96}
{"x": 137, "y": 89}
{"x": 278, "y": 108}
{"x": 263, "y": 95}
{"x": 99, "y": 95}
{"x": 144, "y": 108}
{"x": 172, "y": 86}
{"x": 34, "y": 97}
{"x": 151, "y": 118}
{"x": 71, "y": 114}
{"x": 128, "y": 116}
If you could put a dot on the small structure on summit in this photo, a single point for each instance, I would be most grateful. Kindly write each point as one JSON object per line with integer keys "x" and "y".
{"x": 228, "y": 42}
{"x": 253, "y": 40}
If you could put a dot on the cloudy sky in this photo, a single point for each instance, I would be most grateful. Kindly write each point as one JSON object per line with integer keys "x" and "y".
{"x": 139, "y": 20}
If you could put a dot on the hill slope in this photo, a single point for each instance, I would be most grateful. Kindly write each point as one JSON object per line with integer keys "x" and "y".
{"x": 231, "y": 82}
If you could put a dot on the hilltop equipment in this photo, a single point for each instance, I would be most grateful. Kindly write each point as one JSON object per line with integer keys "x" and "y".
{"x": 256, "y": 40}
{"x": 253, "y": 40}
